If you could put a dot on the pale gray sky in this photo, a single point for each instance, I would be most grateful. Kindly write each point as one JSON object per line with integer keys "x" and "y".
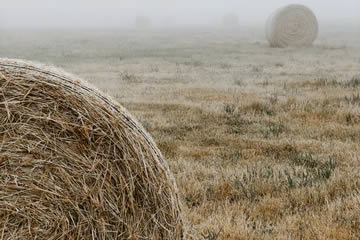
{"x": 121, "y": 13}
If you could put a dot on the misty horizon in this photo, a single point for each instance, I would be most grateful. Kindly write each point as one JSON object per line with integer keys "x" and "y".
{"x": 111, "y": 13}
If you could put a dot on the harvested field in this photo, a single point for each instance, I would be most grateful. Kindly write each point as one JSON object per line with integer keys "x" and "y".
{"x": 264, "y": 143}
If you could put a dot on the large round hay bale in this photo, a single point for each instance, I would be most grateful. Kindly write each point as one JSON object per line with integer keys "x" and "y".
{"x": 294, "y": 25}
{"x": 74, "y": 164}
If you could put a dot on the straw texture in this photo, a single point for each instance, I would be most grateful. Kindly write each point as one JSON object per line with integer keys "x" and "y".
{"x": 293, "y": 25}
{"x": 74, "y": 164}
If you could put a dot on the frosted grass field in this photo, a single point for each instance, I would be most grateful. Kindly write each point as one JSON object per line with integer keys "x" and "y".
{"x": 263, "y": 142}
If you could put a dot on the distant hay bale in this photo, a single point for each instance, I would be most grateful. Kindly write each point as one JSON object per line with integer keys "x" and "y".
{"x": 142, "y": 22}
{"x": 168, "y": 22}
{"x": 294, "y": 25}
{"x": 230, "y": 20}
{"x": 74, "y": 164}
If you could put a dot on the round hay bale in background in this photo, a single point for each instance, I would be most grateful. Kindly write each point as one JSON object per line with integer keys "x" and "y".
{"x": 142, "y": 22}
{"x": 74, "y": 164}
{"x": 169, "y": 22}
{"x": 294, "y": 25}
{"x": 230, "y": 20}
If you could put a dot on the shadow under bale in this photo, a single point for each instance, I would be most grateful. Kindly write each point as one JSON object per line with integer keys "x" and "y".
{"x": 74, "y": 164}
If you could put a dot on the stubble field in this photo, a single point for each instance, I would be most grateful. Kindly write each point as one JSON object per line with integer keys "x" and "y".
{"x": 263, "y": 142}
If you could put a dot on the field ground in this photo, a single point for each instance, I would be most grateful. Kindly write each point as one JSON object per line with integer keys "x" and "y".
{"x": 264, "y": 143}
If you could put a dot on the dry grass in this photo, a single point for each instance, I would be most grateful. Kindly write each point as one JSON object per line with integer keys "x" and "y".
{"x": 264, "y": 148}
{"x": 75, "y": 165}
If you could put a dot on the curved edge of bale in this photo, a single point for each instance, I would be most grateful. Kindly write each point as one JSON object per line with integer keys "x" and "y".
{"x": 63, "y": 79}
{"x": 273, "y": 35}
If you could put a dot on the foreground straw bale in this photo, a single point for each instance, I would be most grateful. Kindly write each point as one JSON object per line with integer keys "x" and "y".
{"x": 294, "y": 25}
{"x": 76, "y": 165}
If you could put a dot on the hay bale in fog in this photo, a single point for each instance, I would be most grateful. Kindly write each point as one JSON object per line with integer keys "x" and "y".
{"x": 230, "y": 20}
{"x": 168, "y": 22}
{"x": 142, "y": 22}
{"x": 293, "y": 25}
{"x": 74, "y": 164}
